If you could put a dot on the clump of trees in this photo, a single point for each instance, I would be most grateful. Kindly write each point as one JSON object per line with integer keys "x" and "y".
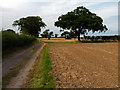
{"x": 29, "y": 29}
{"x": 94, "y": 38}
{"x": 64, "y": 33}
{"x": 47, "y": 34}
{"x": 81, "y": 21}
{"x": 56, "y": 35}
{"x": 30, "y": 25}
{"x": 71, "y": 34}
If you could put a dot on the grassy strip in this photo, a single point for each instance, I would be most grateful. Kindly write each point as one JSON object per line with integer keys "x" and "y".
{"x": 41, "y": 76}
{"x": 6, "y": 79}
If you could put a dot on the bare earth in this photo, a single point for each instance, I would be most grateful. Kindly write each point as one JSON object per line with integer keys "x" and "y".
{"x": 85, "y": 65}
{"x": 14, "y": 60}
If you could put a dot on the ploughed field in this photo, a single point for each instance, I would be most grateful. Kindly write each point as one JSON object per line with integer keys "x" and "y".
{"x": 85, "y": 65}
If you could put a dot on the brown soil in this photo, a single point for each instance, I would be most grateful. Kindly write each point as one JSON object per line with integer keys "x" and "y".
{"x": 85, "y": 65}
{"x": 10, "y": 62}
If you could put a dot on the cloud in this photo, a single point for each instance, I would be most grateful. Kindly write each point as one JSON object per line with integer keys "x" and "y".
{"x": 107, "y": 10}
{"x": 51, "y": 10}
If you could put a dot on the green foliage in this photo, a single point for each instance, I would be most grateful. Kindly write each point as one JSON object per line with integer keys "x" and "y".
{"x": 71, "y": 34}
{"x": 10, "y": 30}
{"x": 64, "y": 33}
{"x": 56, "y": 35}
{"x": 41, "y": 73}
{"x": 47, "y": 34}
{"x": 11, "y": 40}
{"x": 81, "y": 21}
{"x": 30, "y": 25}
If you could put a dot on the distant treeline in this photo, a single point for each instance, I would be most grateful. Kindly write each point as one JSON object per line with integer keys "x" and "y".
{"x": 116, "y": 37}
{"x": 11, "y": 40}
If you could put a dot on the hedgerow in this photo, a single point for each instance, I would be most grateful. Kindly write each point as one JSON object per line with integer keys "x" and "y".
{"x": 11, "y": 40}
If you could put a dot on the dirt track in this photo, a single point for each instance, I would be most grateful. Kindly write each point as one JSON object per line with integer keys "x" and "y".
{"x": 85, "y": 65}
{"x": 13, "y": 61}
{"x": 20, "y": 79}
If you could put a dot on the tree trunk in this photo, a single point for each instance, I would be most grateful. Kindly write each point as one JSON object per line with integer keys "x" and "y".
{"x": 49, "y": 38}
{"x": 78, "y": 36}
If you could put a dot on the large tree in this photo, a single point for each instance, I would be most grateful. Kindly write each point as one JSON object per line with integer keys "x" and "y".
{"x": 81, "y": 21}
{"x": 30, "y": 25}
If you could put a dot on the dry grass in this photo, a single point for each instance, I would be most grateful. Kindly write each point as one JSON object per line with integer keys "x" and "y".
{"x": 58, "y": 40}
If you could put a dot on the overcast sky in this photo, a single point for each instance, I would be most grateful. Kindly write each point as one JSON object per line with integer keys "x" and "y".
{"x": 50, "y": 10}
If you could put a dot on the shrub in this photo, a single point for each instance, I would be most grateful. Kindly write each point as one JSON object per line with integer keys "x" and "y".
{"x": 11, "y": 40}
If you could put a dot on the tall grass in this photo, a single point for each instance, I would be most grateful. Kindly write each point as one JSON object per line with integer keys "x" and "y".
{"x": 41, "y": 76}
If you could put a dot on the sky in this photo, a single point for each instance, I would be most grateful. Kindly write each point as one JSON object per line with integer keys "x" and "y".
{"x": 50, "y": 10}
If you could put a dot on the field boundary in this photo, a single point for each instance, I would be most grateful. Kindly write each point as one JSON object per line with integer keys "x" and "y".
{"x": 41, "y": 74}
{"x": 63, "y": 40}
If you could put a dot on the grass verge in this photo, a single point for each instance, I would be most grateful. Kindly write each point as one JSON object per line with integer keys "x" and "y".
{"x": 41, "y": 76}
{"x": 6, "y": 79}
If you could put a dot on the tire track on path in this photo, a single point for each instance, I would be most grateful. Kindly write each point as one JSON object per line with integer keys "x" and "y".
{"x": 19, "y": 80}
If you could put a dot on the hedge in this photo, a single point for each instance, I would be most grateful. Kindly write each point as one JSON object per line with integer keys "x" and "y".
{"x": 12, "y": 40}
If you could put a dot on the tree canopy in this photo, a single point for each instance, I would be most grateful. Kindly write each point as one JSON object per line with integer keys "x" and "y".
{"x": 30, "y": 25}
{"x": 81, "y": 21}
